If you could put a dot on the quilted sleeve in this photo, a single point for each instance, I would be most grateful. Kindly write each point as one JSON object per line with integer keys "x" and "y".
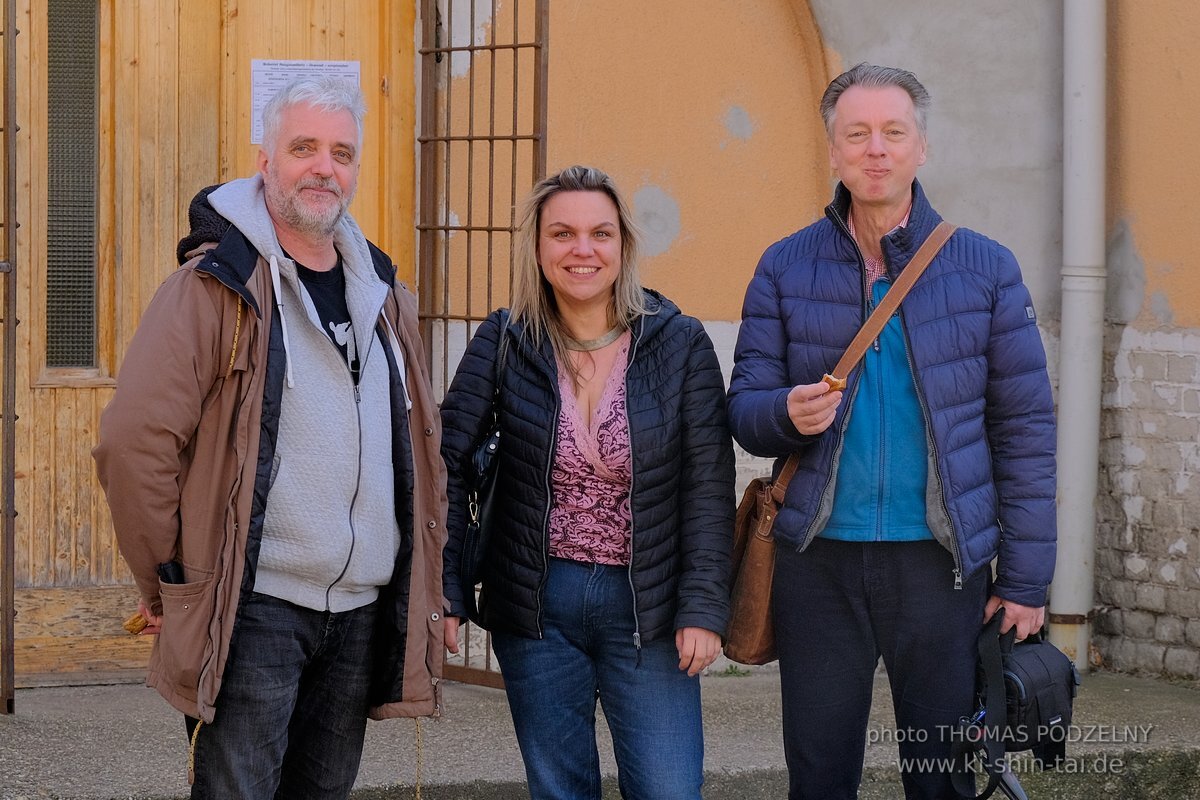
{"x": 760, "y": 384}
{"x": 1019, "y": 411}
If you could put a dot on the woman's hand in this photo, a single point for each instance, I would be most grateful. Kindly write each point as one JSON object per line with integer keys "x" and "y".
{"x": 697, "y": 648}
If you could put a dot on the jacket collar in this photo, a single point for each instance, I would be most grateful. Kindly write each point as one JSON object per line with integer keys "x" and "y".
{"x": 659, "y": 310}
{"x": 232, "y": 262}
{"x": 900, "y": 245}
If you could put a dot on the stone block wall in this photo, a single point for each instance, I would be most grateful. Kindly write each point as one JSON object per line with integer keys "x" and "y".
{"x": 1148, "y": 539}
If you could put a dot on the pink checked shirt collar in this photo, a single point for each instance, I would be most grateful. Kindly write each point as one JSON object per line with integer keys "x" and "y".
{"x": 875, "y": 266}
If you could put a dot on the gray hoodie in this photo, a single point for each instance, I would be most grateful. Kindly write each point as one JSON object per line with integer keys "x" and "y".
{"x": 330, "y": 535}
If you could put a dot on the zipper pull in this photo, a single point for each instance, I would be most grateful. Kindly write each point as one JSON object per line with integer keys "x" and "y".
{"x": 958, "y": 579}
{"x": 357, "y": 394}
{"x": 876, "y": 344}
{"x": 637, "y": 641}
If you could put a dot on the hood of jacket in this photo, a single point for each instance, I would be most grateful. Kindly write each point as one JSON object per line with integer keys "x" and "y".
{"x": 241, "y": 204}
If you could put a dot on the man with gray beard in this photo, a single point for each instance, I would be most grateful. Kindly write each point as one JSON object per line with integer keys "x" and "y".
{"x": 271, "y": 460}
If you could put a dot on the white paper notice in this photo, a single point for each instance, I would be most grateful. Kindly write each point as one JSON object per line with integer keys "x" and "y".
{"x": 268, "y": 76}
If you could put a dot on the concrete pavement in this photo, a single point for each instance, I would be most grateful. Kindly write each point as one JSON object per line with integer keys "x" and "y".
{"x": 1135, "y": 737}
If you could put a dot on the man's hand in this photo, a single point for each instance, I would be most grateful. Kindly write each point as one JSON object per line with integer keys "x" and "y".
{"x": 450, "y": 628}
{"x": 812, "y": 406}
{"x": 1026, "y": 619}
{"x": 697, "y": 648}
{"x": 153, "y": 621}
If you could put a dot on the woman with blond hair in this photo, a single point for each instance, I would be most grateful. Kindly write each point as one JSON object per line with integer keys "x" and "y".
{"x": 607, "y": 572}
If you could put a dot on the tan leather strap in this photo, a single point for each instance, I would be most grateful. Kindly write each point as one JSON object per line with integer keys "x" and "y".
{"x": 780, "y": 484}
{"x": 888, "y": 305}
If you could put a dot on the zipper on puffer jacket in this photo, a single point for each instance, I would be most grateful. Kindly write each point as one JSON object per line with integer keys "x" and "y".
{"x": 637, "y": 627}
{"x": 549, "y": 498}
{"x": 884, "y": 452}
{"x": 826, "y": 497}
{"x": 937, "y": 461}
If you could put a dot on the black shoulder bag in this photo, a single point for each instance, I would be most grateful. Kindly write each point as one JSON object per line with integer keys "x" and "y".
{"x": 1026, "y": 696}
{"x": 481, "y": 491}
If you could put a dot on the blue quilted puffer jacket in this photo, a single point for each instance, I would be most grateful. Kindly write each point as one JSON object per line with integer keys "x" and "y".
{"x": 980, "y": 372}
{"x": 682, "y": 495}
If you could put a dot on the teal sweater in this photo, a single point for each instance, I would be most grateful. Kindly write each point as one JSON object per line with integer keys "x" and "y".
{"x": 883, "y": 465}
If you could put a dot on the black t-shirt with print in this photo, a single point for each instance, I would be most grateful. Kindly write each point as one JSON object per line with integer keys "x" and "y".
{"x": 328, "y": 292}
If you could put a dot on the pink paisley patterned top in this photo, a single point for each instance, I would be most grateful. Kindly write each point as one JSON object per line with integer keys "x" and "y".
{"x": 590, "y": 518}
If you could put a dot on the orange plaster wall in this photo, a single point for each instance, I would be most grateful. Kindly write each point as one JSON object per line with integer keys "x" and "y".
{"x": 1154, "y": 112}
{"x": 714, "y": 104}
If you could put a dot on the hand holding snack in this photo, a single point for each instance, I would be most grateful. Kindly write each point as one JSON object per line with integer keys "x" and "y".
{"x": 143, "y": 622}
{"x": 835, "y": 384}
{"x": 811, "y": 407}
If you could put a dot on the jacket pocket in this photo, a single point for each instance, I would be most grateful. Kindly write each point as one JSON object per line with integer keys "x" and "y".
{"x": 187, "y": 612}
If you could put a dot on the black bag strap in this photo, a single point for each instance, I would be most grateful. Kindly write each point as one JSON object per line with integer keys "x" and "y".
{"x": 995, "y": 719}
{"x": 473, "y": 495}
{"x": 501, "y": 356}
{"x": 987, "y": 733}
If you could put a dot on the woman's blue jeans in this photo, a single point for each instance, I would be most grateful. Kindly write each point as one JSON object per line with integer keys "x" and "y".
{"x": 588, "y": 651}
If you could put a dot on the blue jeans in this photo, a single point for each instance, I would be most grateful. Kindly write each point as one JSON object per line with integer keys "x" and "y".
{"x": 292, "y": 708}
{"x": 840, "y": 606}
{"x": 652, "y": 708}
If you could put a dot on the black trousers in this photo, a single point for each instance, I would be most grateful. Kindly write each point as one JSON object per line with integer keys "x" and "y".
{"x": 838, "y": 608}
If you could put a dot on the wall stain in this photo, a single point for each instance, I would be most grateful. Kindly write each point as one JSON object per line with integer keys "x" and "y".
{"x": 1125, "y": 289}
{"x": 1160, "y": 307}
{"x": 657, "y": 214}
{"x": 738, "y": 123}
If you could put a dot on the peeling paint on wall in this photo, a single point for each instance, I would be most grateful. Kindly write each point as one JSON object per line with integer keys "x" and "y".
{"x": 1149, "y": 500}
{"x": 1160, "y": 307}
{"x": 1125, "y": 293}
{"x": 657, "y": 214}
{"x": 462, "y": 34}
{"x": 738, "y": 123}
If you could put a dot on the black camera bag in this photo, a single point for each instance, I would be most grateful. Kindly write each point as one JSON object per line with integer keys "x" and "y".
{"x": 1039, "y": 693}
{"x": 1026, "y": 692}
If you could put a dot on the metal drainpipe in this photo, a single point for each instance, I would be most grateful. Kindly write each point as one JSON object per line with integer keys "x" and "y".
{"x": 1082, "y": 337}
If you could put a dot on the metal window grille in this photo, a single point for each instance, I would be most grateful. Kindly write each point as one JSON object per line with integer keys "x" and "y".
{"x": 482, "y": 147}
{"x": 72, "y": 145}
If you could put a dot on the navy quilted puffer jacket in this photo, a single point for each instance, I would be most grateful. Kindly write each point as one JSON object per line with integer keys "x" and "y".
{"x": 979, "y": 369}
{"x": 683, "y": 474}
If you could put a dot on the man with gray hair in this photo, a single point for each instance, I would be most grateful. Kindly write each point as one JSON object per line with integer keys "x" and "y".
{"x": 936, "y": 457}
{"x": 271, "y": 461}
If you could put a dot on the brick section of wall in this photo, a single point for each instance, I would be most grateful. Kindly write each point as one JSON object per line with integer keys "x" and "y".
{"x": 1148, "y": 536}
